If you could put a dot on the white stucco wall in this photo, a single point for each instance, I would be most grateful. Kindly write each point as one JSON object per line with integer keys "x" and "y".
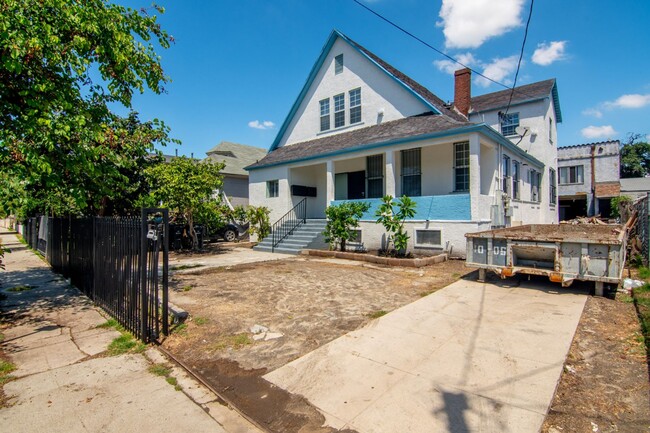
{"x": 452, "y": 235}
{"x": 540, "y": 142}
{"x": 378, "y": 91}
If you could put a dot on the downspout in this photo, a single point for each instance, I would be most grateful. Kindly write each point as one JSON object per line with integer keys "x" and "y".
{"x": 593, "y": 179}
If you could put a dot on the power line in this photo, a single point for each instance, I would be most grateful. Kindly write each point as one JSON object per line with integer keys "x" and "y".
{"x": 521, "y": 54}
{"x": 430, "y": 46}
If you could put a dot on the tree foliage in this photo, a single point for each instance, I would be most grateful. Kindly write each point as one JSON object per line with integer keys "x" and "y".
{"x": 62, "y": 64}
{"x": 342, "y": 219}
{"x": 258, "y": 218}
{"x": 185, "y": 186}
{"x": 635, "y": 157}
{"x": 393, "y": 221}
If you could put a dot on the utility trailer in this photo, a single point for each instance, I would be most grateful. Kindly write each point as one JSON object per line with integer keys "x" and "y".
{"x": 563, "y": 252}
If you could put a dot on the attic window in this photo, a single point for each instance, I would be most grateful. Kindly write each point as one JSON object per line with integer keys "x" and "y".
{"x": 338, "y": 64}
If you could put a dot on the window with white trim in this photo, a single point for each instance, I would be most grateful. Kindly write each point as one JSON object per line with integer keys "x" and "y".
{"x": 516, "y": 175}
{"x": 428, "y": 238}
{"x": 535, "y": 182}
{"x": 572, "y": 175}
{"x": 552, "y": 189}
{"x": 355, "y": 106}
{"x": 509, "y": 123}
{"x": 461, "y": 166}
{"x": 411, "y": 172}
{"x": 272, "y": 188}
{"x": 339, "y": 110}
{"x": 338, "y": 64}
{"x": 505, "y": 168}
{"x": 325, "y": 114}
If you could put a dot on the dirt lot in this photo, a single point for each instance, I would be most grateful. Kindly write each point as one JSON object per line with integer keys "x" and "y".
{"x": 309, "y": 302}
{"x": 604, "y": 386}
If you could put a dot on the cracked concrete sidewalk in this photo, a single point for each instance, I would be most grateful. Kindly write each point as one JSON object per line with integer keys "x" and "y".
{"x": 63, "y": 379}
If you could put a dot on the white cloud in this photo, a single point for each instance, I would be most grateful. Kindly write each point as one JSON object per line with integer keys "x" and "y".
{"x": 498, "y": 70}
{"x": 469, "y": 23}
{"x": 545, "y": 54}
{"x": 629, "y": 101}
{"x": 267, "y": 124}
{"x": 605, "y": 131}
{"x": 593, "y": 112}
{"x": 450, "y": 67}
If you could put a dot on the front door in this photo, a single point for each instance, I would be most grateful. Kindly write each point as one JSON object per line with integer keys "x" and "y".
{"x": 356, "y": 185}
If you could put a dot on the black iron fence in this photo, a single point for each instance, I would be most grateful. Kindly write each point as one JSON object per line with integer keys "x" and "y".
{"x": 121, "y": 263}
{"x": 288, "y": 223}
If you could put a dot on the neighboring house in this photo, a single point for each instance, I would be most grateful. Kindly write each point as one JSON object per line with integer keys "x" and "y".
{"x": 360, "y": 129}
{"x": 589, "y": 177}
{"x": 635, "y": 187}
{"x": 235, "y": 178}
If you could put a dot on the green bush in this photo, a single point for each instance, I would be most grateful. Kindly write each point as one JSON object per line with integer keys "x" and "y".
{"x": 342, "y": 219}
{"x": 393, "y": 221}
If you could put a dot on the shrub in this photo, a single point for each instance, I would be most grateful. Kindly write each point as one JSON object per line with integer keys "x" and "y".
{"x": 393, "y": 221}
{"x": 342, "y": 219}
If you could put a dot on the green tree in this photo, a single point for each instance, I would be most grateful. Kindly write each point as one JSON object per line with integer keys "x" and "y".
{"x": 258, "y": 218}
{"x": 342, "y": 219}
{"x": 185, "y": 186}
{"x": 394, "y": 221}
{"x": 62, "y": 63}
{"x": 635, "y": 157}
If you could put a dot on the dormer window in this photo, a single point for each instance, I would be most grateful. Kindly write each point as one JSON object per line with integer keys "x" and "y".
{"x": 339, "y": 110}
{"x": 324, "y": 114}
{"x": 338, "y": 64}
{"x": 509, "y": 123}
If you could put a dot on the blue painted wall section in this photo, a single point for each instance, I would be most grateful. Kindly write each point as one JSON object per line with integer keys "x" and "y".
{"x": 452, "y": 207}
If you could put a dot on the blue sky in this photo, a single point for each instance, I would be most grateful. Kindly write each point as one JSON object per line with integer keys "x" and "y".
{"x": 237, "y": 66}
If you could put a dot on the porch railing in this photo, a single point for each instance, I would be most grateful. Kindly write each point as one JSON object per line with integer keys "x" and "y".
{"x": 288, "y": 223}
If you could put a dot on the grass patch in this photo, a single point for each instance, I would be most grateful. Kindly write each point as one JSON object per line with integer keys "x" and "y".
{"x": 377, "y": 314}
{"x": 644, "y": 273}
{"x": 181, "y": 267}
{"x": 23, "y": 288}
{"x": 180, "y": 329}
{"x": 186, "y": 288}
{"x": 125, "y": 343}
{"x": 426, "y": 293}
{"x": 160, "y": 370}
{"x": 6, "y": 367}
{"x": 200, "y": 321}
{"x": 236, "y": 341}
{"x": 111, "y": 323}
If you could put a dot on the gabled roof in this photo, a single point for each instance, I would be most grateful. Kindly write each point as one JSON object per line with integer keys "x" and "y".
{"x": 236, "y": 156}
{"x": 522, "y": 94}
{"x": 422, "y": 93}
{"x": 399, "y": 131}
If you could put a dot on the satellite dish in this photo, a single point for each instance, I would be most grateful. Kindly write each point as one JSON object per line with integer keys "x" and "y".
{"x": 521, "y": 130}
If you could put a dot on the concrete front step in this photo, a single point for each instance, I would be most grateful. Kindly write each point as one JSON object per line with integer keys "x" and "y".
{"x": 304, "y": 235}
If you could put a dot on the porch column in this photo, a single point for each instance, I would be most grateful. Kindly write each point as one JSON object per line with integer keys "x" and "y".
{"x": 329, "y": 194}
{"x": 390, "y": 174}
{"x": 475, "y": 175}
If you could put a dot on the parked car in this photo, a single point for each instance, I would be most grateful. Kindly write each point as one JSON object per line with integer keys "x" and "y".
{"x": 230, "y": 232}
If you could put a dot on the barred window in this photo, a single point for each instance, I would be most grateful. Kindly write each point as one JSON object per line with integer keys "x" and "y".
{"x": 411, "y": 172}
{"x": 375, "y": 170}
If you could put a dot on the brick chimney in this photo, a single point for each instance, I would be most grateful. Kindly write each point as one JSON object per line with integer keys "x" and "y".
{"x": 462, "y": 90}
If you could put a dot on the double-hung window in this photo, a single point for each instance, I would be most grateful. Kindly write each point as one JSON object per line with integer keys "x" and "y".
{"x": 325, "y": 114}
{"x": 509, "y": 123}
{"x": 411, "y": 172}
{"x": 535, "y": 181}
{"x": 461, "y": 166}
{"x": 552, "y": 182}
{"x": 339, "y": 110}
{"x": 375, "y": 170}
{"x": 573, "y": 174}
{"x": 355, "y": 106}
{"x": 506, "y": 174}
{"x": 272, "y": 188}
{"x": 516, "y": 175}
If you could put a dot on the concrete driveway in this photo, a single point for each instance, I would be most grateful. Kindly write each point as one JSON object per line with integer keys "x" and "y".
{"x": 471, "y": 357}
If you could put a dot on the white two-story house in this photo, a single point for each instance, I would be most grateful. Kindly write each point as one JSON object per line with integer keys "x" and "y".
{"x": 361, "y": 129}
